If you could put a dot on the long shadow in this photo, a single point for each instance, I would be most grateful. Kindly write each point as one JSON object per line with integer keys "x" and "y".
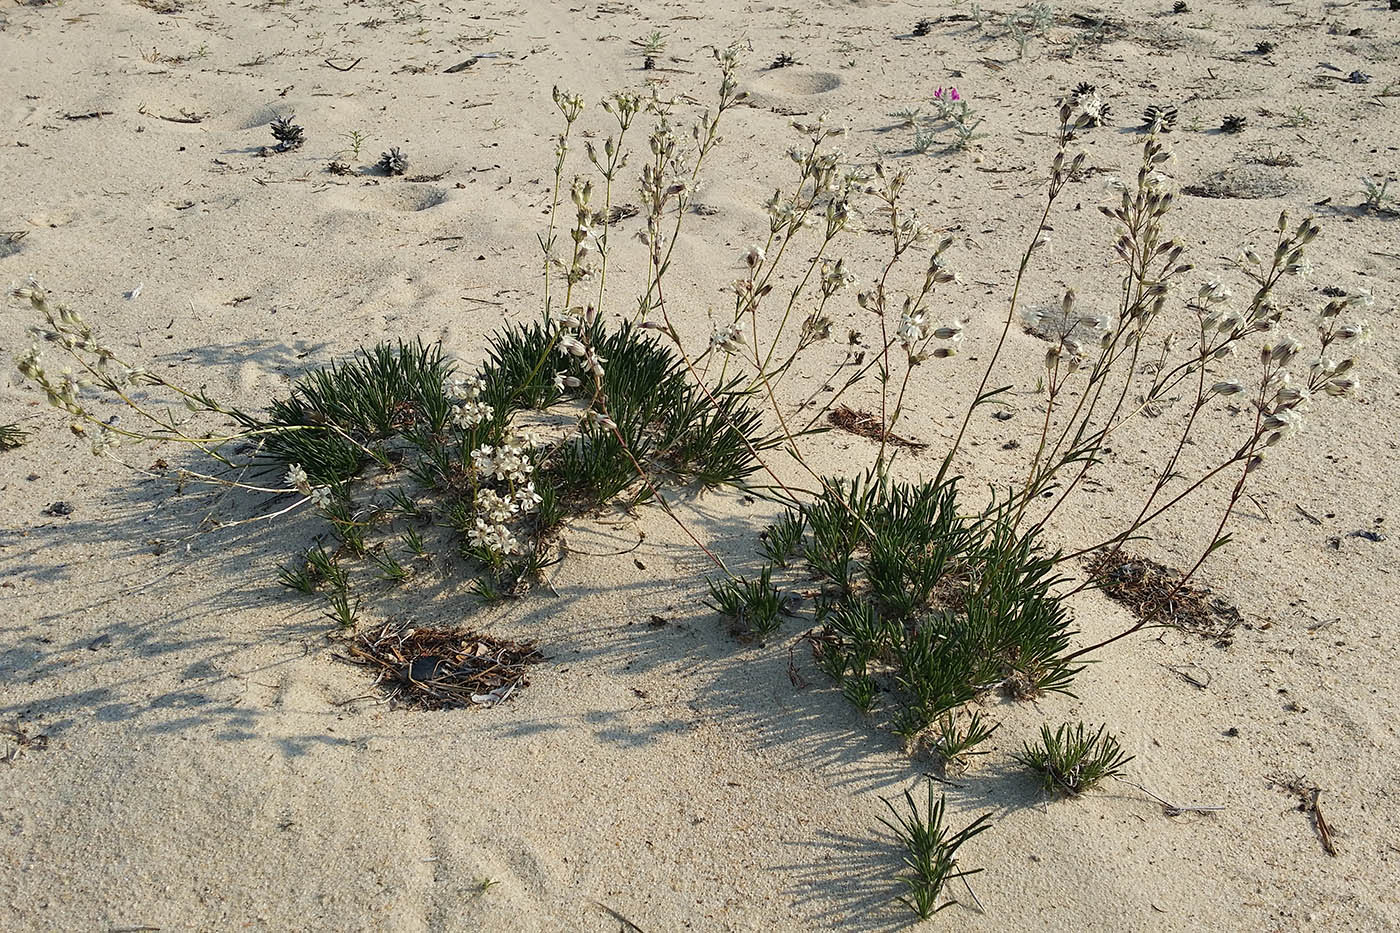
{"x": 289, "y": 359}
{"x": 156, "y": 539}
{"x": 850, "y": 881}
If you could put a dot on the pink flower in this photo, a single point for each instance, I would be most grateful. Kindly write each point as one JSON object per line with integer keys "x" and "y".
{"x": 951, "y": 93}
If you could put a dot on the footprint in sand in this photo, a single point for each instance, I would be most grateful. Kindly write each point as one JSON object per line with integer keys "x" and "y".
{"x": 403, "y": 197}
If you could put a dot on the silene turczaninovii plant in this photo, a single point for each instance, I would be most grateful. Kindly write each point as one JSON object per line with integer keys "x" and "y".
{"x": 921, "y": 600}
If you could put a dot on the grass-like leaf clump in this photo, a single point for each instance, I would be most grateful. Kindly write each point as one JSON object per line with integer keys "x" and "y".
{"x": 1070, "y": 760}
{"x": 398, "y": 433}
{"x": 930, "y": 850}
{"x": 753, "y": 606}
{"x": 927, "y": 605}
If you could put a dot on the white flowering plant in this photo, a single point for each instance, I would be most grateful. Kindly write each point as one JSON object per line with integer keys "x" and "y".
{"x": 650, "y": 405}
{"x": 917, "y": 603}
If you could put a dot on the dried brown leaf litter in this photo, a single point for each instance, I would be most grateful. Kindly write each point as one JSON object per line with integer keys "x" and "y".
{"x": 425, "y": 668}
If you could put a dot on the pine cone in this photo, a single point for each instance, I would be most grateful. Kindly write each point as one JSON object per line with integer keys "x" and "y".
{"x": 1158, "y": 118}
{"x": 393, "y": 162}
{"x": 287, "y": 133}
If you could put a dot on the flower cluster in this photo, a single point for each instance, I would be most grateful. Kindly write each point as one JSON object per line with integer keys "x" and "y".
{"x": 509, "y": 462}
{"x": 915, "y": 329}
{"x": 496, "y": 509}
{"x": 728, "y": 339}
{"x": 296, "y": 477}
{"x": 570, "y": 343}
{"x": 944, "y": 100}
{"x": 835, "y": 277}
{"x": 1284, "y": 395}
{"x": 469, "y": 411}
{"x": 493, "y": 537}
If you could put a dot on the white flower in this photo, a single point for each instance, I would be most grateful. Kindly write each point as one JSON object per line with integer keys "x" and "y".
{"x": 1282, "y": 352}
{"x": 1293, "y": 395}
{"x": 526, "y": 498}
{"x": 495, "y": 507}
{"x": 103, "y": 440}
{"x": 912, "y": 329}
{"x": 1358, "y": 332}
{"x": 296, "y": 478}
{"x": 1281, "y": 424}
{"x": 1339, "y": 386}
{"x": 1213, "y": 292}
{"x": 1034, "y": 319}
{"x": 321, "y": 497}
{"x": 484, "y": 459}
{"x": 594, "y": 362}
{"x": 952, "y": 331}
{"x": 505, "y": 541}
{"x": 494, "y": 537}
{"x": 469, "y": 414}
{"x": 466, "y": 389}
{"x": 728, "y": 339}
{"x": 835, "y": 276}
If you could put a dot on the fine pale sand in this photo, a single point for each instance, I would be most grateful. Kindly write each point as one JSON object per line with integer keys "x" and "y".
{"x": 207, "y": 764}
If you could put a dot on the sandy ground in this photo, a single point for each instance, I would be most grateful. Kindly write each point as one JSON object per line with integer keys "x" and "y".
{"x": 206, "y": 765}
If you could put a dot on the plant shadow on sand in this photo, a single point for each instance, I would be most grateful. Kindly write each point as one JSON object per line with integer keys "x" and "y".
{"x": 184, "y": 637}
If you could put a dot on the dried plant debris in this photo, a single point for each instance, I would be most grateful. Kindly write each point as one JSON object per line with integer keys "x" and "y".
{"x": 1232, "y": 123}
{"x": 12, "y": 436}
{"x": 867, "y": 425}
{"x": 1272, "y": 158}
{"x": 620, "y": 212}
{"x": 9, "y": 241}
{"x": 21, "y": 740}
{"x": 1308, "y": 793}
{"x": 425, "y": 668}
{"x": 1150, "y": 590}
